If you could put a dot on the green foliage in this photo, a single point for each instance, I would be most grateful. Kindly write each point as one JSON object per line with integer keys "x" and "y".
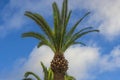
{"x": 31, "y": 73}
{"x": 48, "y": 74}
{"x": 27, "y": 79}
{"x": 58, "y": 39}
{"x": 68, "y": 77}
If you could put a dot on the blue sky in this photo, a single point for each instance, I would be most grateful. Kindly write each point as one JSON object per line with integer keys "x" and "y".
{"x": 99, "y": 60}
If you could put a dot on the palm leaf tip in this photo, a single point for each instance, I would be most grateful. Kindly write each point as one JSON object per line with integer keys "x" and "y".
{"x": 31, "y": 73}
{"x": 80, "y": 43}
{"x": 40, "y": 44}
{"x": 27, "y": 12}
{"x": 95, "y": 30}
{"x": 26, "y": 74}
{"x": 88, "y": 12}
{"x": 23, "y": 35}
{"x": 54, "y": 3}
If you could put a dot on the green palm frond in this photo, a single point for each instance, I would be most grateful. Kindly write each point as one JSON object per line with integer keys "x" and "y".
{"x": 35, "y": 35}
{"x": 70, "y": 34}
{"x": 79, "y": 34}
{"x": 57, "y": 26}
{"x": 27, "y": 79}
{"x": 42, "y": 23}
{"x": 60, "y": 23}
{"x": 41, "y": 44}
{"x": 64, "y": 17}
{"x": 47, "y": 44}
{"x": 42, "y": 38}
{"x": 64, "y": 11}
{"x": 58, "y": 39}
{"x": 79, "y": 43}
{"x": 56, "y": 15}
{"x": 50, "y": 74}
{"x": 67, "y": 19}
{"x": 76, "y": 36}
{"x": 75, "y": 26}
{"x": 45, "y": 71}
{"x": 33, "y": 74}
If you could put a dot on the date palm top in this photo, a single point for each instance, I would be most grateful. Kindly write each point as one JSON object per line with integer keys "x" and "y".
{"x": 59, "y": 39}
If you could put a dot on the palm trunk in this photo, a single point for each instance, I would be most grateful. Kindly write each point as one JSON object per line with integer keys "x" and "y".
{"x": 59, "y": 76}
{"x": 59, "y": 66}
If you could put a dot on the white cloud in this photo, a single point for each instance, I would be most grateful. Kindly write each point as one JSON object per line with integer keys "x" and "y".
{"x": 82, "y": 62}
{"x": 105, "y": 12}
{"x": 12, "y": 15}
{"x": 43, "y": 54}
{"x": 110, "y": 62}
{"x": 79, "y": 59}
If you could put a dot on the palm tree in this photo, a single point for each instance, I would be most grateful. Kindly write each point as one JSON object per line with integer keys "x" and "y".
{"x": 58, "y": 39}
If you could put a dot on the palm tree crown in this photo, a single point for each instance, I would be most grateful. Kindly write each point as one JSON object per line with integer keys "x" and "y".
{"x": 58, "y": 39}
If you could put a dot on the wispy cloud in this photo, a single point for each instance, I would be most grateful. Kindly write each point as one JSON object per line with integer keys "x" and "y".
{"x": 12, "y": 15}
{"x": 105, "y": 14}
{"x": 111, "y": 61}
